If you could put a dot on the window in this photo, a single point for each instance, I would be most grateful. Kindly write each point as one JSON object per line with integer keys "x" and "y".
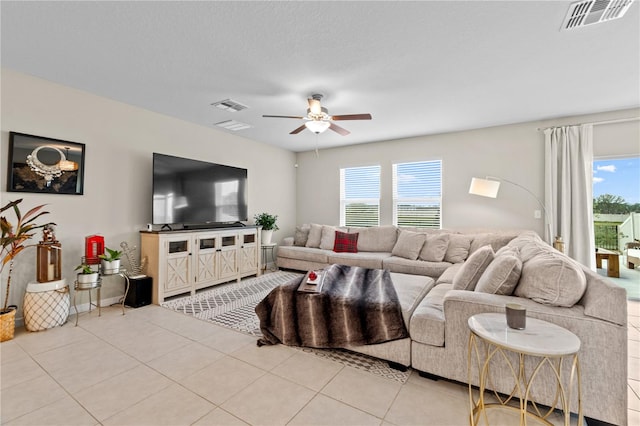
{"x": 417, "y": 194}
{"x": 360, "y": 196}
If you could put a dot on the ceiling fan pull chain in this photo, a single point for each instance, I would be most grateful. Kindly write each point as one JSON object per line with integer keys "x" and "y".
{"x": 317, "y": 139}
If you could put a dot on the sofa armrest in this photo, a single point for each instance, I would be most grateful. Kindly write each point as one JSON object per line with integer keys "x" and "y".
{"x": 287, "y": 241}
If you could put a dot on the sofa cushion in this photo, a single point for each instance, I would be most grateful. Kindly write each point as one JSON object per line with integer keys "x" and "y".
{"x": 502, "y": 274}
{"x": 427, "y": 323}
{"x": 408, "y": 245}
{"x": 471, "y": 271}
{"x": 304, "y": 253}
{"x": 411, "y": 290}
{"x": 301, "y": 235}
{"x": 346, "y": 242}
{"x": 376, "y": 238}
{"x": 458, "y": 248}
{"x": 435, "y": 247}
{"x": 415, "y": 267}
{"x": 552, "y": 278}
{"x": 315, "y": 235}
{"x": 449, "y": 273}
{"x": 365, "y": 259}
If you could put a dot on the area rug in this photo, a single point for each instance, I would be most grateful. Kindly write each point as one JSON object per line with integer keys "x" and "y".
{"x": 232, "y": 305}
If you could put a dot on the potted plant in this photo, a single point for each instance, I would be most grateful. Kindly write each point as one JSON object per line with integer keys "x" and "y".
{"x": 13, "y": 240}
{"x": 87, "y": 277}
{"x": 268, "y": 223}
{"x": 110, "y": 261}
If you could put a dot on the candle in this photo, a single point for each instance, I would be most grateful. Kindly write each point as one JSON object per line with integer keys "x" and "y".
{"x": 50, "y": 272}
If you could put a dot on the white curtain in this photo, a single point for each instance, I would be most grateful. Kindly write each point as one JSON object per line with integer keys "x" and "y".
{"x": 569, "y": 190}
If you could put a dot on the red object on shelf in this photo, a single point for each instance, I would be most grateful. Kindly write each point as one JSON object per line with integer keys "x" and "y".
{"x": 93, "y": 247}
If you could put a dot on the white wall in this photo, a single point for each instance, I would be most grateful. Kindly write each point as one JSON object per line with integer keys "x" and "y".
{"x": 514, "y": 152}
{"x": 119, "y": 142}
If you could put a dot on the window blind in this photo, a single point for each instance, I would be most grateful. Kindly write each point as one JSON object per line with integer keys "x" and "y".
{"x": 417, "y": 194}
{"x": 360, "y": 196}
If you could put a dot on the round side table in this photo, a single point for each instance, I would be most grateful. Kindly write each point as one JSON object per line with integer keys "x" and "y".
{"x": 266, "y": 249}
{"x": 541, "y": 342}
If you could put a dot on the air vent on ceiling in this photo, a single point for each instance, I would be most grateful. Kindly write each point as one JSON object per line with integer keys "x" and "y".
{"x": 590, "y": 12}
{"x": 230, "y": 105}
{"x": 233, "y": 125}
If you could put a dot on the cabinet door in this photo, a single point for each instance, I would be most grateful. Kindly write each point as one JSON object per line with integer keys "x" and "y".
{"x": 248, "y": 253}
{"x": 206, "y": 265}
{"x": 228, "y": 256}
{"x": 178, "y": 265}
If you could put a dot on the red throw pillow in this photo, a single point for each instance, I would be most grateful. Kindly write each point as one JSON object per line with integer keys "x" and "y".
{"x": 345, "y": 242}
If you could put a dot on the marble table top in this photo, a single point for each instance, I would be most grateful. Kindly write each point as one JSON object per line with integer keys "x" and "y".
{"x": 539, "y": 338}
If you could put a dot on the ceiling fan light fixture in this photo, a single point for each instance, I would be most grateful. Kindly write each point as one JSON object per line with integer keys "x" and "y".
{"x": 317, "y": 126}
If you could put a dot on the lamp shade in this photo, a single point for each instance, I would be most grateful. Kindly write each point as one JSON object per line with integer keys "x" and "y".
{"x": 317, "y": 126}
{"x": 484, "y": 187}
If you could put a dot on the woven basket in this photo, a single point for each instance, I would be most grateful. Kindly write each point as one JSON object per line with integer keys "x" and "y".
{"x": 7, "y": 324}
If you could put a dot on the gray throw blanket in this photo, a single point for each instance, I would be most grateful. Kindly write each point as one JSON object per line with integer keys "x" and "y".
{"x": 355, "y": 306}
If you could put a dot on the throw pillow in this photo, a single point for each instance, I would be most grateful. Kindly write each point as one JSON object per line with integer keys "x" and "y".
{"x": 502, "y": 275}
{"x": 497, "y": 240}
{"x": 328, "y": 236}
{"x": 458, "y": 248}
{"x": 315, "y": 234}
{"x": 301, "y": 235}
{"x": 552, "y": 278}
{"x": 346, "y": 242}
{"x": 408, "y": 245}
{"x": 435, "y": 247}
{"x": 471, "y": 271}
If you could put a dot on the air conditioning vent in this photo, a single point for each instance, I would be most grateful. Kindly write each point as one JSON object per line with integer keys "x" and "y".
{"x": 233, "y": 125}
{"x": 590, "y": 12}
{"x": 229, "y": 105}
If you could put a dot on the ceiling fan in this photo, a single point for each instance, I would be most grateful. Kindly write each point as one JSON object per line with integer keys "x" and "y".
{"x": 319, "y": 120}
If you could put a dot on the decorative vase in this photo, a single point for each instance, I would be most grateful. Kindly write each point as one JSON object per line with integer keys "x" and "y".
{"x": 266, "y": 236}
{"x": 110, "y": 267}
{"x": 8, "y": 323}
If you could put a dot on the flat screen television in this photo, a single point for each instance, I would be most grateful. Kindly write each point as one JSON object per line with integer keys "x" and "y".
{"x": 197, "y": 193}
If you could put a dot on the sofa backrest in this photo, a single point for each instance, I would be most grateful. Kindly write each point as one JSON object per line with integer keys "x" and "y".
{"x": 601, "y": 298}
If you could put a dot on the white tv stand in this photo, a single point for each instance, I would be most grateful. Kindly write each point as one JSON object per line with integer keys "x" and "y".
{"x": 184, "y": 261}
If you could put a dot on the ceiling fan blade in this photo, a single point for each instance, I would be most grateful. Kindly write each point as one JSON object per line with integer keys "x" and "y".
{"x": 342, "y": 131}
{"x": 284, "y": 116}
{"x": 298, "y": 130}
{"x": 351, "y": 117}
{"x": 314, "y": 106}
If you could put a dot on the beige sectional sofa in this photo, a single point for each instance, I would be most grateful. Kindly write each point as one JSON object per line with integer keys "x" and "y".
{"x": 442, "y": 285}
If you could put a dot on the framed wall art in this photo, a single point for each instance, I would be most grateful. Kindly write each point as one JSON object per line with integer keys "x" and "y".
{"x": 45, "y": 165}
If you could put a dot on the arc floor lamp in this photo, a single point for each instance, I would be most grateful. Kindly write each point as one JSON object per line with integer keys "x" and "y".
{"x": 489, "y": 186}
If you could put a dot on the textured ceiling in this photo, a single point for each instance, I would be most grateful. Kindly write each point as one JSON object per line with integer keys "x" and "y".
{"x": 418, "y": 67}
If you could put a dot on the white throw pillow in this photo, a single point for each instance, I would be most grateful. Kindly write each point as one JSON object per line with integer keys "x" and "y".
{"x": 408, "y": 245}
{"x": 328, "y": 236}
{"x": 471, "y": 271}
{"x": 552, "y": 278}
{"x": 435, "y": 247}
{"x": 502, "y": 274}
{"x": 458, "y": 248}
{"x": 315, "y": 234}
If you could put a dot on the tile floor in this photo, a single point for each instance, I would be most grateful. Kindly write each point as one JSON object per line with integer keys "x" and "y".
{"x": 154, "y": 366}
